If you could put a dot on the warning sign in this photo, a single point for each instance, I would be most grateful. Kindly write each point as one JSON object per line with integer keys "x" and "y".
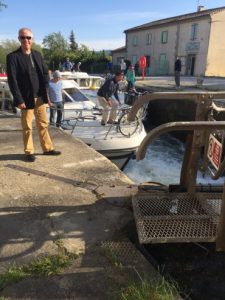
{"x": 214, "y": 151}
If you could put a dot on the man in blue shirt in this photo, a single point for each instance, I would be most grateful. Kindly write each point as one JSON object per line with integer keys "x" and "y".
{"x": 67, "y": 65}
{"x": 55, "y": 94}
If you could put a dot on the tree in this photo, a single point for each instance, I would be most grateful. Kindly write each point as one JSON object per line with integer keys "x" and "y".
{"x": 73, "y": 44}
{"x": 56, "y": 49}
{"x": 2, "y": 4}
{"x": 55, "y": 42}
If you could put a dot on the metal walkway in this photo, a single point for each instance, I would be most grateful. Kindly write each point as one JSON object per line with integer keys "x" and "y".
{"x": 167, "y": 215}
{"x": 164, "y": 217}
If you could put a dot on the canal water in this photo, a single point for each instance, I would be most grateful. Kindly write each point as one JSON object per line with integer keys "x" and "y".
{"x": 162, "y": 163}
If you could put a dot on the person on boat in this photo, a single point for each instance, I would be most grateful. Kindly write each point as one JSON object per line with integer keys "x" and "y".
{"x": 76, "y": 67}
{"x": 28, "y": 82}
{"x": 130, "y": 77}
{"x": 55, "y": 94}
{"x": 67, "y": 65}
{"x": 123, "y": 66}
{"x": 107, "y": 101}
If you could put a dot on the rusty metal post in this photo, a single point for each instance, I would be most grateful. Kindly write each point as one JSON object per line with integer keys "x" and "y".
{"x": 186, "y": 159}
{"x": 220, "y": 240}
{"x": 197, "y": 144}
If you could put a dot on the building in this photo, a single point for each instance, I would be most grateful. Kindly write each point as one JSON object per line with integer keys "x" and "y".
{"x": 197, "y": 38}
{"x": 117, "y": 55}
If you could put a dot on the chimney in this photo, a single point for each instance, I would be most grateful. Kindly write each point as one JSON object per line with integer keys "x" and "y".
{"x": 201, "y": 8}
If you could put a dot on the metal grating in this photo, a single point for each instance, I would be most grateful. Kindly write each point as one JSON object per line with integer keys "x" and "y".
{"x": 176, "y": 217}
{"x": 125, "y": 252}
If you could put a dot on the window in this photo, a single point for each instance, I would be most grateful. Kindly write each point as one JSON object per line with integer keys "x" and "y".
{"x": 194, "y": 29}
{"x": 134, "y": 59}
{"x": 164, "y": 38}
{"x": 135, "y": 40}
{"x": 148, "y": 61}
{"x": 148, "y": 39}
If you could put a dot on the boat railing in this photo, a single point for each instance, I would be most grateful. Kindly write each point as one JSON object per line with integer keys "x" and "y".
{"x": 77, "y": 118}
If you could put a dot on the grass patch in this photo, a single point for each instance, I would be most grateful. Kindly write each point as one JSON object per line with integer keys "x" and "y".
{"x": 43, "y": 266}
{"x": 148, "y": 289}
{"x": 111, "y": 257}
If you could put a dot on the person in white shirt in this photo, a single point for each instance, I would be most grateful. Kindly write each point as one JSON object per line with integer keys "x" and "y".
{"x": 55, "y": 94}
{"x": 123, "y": 66}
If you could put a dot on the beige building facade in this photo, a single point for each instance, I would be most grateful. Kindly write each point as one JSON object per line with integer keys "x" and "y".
{"x": 197, "y": 38}
{"x": 117, "y": 55}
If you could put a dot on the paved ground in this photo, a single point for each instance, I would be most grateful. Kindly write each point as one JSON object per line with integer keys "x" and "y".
{"x": 187, "y": 82}
{"x": 80, "y": 198}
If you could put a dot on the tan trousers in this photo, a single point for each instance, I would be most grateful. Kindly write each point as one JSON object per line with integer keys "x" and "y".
{"x": 109, "y": 113}
{"x": 42, "y": 126}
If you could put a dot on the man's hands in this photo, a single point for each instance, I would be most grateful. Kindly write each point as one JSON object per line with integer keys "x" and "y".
{"x": 49, "y": 103}
{"x": 110, "y": 102}
{"x": 22, "y": 106}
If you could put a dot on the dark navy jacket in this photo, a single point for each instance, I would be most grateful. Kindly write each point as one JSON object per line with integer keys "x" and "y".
{"x": 109, "y": 88}
{"x": 177, "y": 65}
{"x": 19, "y": 78}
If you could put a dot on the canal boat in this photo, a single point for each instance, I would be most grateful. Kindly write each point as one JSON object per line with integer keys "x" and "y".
{"x": 84, "y": 80}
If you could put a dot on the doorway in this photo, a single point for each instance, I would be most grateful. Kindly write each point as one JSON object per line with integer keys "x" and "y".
{"x": 191, "y": 65}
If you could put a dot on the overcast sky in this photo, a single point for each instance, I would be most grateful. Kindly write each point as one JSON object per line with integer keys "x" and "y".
{"x": 99, "y": 24}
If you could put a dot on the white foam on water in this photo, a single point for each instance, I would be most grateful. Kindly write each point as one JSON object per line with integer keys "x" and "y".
{"x": 162, "y": 163}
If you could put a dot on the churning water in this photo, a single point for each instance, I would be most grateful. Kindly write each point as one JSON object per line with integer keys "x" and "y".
{"x": 162, "y": 163}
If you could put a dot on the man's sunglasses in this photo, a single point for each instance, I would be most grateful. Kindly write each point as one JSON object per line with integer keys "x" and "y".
{"x": 25, "y": 37}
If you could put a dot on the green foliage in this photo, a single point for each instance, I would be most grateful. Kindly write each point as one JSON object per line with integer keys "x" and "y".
{"x": 55, "y": 42}
{"x": 43, "y": 266}
{"x": 73, "y": 44}
{"x": 56, "y": 49}
{"x": 149, "y": 289}
{"x": 13, "y": 275}
{"x": 2, "y": 4}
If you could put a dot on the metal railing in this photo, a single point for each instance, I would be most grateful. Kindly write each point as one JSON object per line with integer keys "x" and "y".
{"x": 185, "y": 214}
{"x": 80, "y": 118}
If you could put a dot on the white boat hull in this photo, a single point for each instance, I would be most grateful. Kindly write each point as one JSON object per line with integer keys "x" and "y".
{"x": 108, "y": 141}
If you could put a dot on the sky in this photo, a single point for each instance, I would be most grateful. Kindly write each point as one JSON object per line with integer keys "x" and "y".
{"x": 98, "y": 24}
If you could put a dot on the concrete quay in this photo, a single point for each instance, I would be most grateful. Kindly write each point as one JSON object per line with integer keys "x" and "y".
{"x": 167, "y": 83}
{"x": 79, "y": 198}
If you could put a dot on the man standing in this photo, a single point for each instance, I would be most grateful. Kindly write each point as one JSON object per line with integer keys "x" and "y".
{"x": 55, "y": 94}
{"x": 123, "y": 66}
{"x": 67, "y": 65}
{"x": 105, "y": 97}
{"x": 177, "y": 70}
{"x": 28, "y": 81}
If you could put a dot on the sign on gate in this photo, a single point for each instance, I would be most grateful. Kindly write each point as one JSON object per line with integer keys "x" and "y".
{"x": 214, "y": 151}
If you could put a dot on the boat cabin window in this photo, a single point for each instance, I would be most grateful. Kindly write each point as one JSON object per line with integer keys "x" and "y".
{"x": 73, "y": 95}
{"x": 84, "y": 82}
